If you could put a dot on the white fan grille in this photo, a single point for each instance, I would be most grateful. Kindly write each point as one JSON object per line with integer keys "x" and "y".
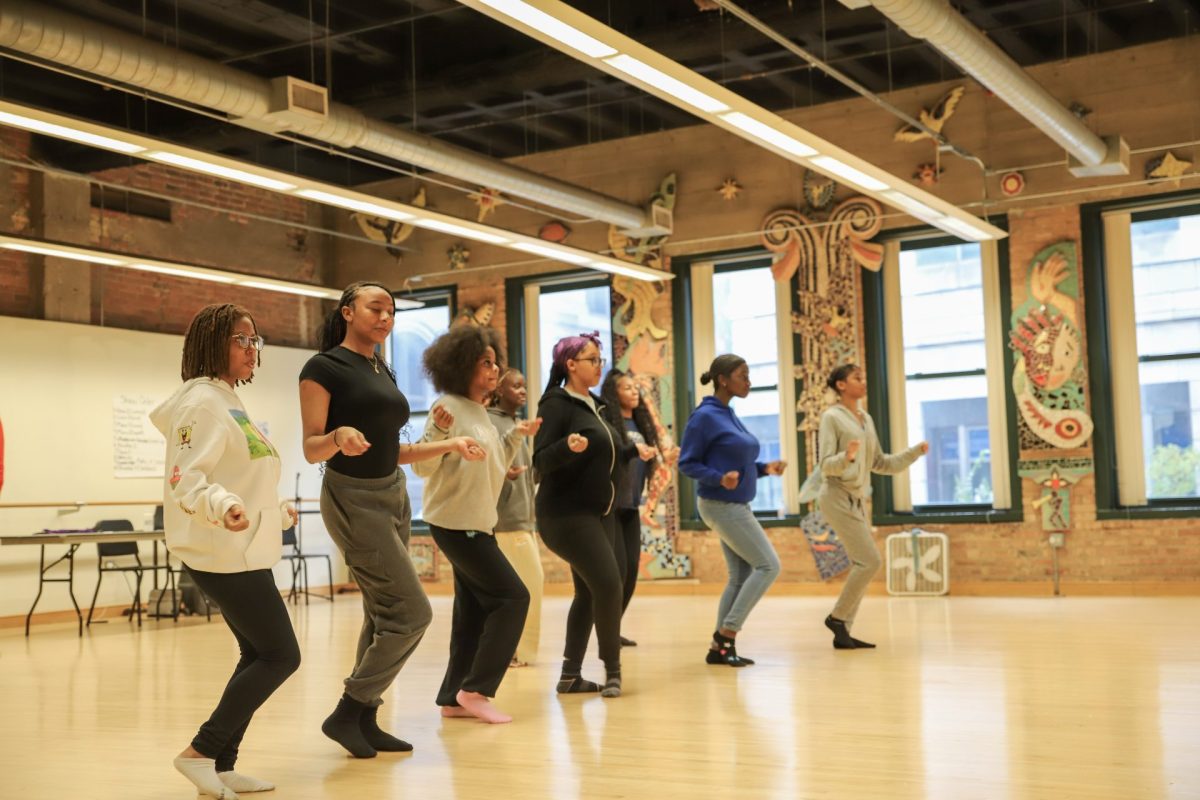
{"x": 918, "y": 563}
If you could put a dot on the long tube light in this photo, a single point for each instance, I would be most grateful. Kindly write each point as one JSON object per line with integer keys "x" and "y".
{"x": 641, "y": 66}
{"x": 174, "y": 268}
{"x": 52, "y": 124}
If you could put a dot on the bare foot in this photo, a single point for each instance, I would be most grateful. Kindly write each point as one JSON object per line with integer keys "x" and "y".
{"x": 456, "y": 712}
{"x": 515, "y": 663}
{"x": 481, "y": 707}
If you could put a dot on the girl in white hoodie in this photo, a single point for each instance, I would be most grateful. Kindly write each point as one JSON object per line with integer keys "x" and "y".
{"x": 224, "y": 519}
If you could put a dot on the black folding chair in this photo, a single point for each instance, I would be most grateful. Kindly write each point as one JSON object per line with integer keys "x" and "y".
{"x": 111, "y": 550}
{"x": 299, "y": 564}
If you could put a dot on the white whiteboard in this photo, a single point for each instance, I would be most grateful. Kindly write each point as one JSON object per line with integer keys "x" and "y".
{"x": 68, "y": 397}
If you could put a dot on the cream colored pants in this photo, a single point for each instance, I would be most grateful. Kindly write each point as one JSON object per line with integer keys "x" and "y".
{"x": 521, "y": 550}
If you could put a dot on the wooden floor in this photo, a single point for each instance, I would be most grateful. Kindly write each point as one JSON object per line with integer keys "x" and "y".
{"x": 966, "y": 698}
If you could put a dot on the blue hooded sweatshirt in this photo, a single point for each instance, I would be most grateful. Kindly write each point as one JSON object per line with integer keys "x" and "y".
{"x": 715, "y": 442}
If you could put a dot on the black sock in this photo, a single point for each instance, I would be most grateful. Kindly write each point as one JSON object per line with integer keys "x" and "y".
{"x": 612, "y": 683}
{"x": 575, "y": 684}
{"x": 841, "y": 636}
{"x": 344, "y": 728}
{"x": 859, "y": 643}
{"x": 381, "y": 740}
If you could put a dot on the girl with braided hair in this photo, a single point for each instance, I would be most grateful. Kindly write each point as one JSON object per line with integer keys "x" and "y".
{"x": 223, "y": 518}
{"x": 352, "y": 414}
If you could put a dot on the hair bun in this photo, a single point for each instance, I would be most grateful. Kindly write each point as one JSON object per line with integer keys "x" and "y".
{"x": 705, "y": 378}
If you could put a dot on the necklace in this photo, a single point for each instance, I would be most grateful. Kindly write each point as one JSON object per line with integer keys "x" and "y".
{"x": 375, "y": 362}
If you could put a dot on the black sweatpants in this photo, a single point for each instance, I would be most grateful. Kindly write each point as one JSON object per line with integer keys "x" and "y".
{"x": 490, "y": 603}
{"x": 587, "y": 543}
{"x": 628, "y": 549}
{"x": 253, "y": 609}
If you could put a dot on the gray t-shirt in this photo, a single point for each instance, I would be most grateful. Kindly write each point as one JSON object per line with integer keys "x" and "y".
{"x": 514, "y": 511}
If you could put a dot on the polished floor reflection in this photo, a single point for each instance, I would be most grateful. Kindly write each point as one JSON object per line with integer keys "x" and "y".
{"x": 965, "y": 698}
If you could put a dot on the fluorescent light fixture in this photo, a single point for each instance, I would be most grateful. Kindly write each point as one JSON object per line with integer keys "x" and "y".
{"x": 354, "y": 204}
{"x": 849, "y": 173}
{"x": 407, "y": 303}
{"x": 221, "y": 171}
{"x": 555, "y": 253}
{"x": 289, "y": 288}
{"x": 55, "y": 252}
{"x": 460, "y": 230}
{"x": 73, "y": 134}
{"x": 914, "y": 207}
{"x": 183, "y": 272}
{"x": 661, "y": 80}
{"x": 765, "y": 133}
{"x": 550, "y": 26}
{"x": 964, "y": 229}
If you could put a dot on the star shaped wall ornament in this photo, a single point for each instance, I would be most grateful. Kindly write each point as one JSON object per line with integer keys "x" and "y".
{"x": 730, "y": 189}
{"x": 1167, "y": 166}
{"x": 488, "y": 200}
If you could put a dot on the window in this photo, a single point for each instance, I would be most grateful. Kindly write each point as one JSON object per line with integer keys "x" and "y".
{"x": 937, "y": 369}
{"x": 414, "y": 331}
{"x": 945, "y": 372}
{"x": 729, "y": 315}
{"x": 745, "y": 325}
{"x": 551, "y": 308}
{"x": 1147, "y": 403}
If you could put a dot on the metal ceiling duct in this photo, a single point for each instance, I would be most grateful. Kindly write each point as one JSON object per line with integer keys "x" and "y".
{"x": 964, "y": 44}
{"x": 124, "y": 58}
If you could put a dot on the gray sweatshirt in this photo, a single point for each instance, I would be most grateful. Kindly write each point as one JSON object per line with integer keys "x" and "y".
{"x": 839, "y": 427}
{"x": 515, "y": 509}
{"x": 461, "y": 495}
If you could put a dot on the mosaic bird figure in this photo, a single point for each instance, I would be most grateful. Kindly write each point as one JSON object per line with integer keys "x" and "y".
{"x": 934, "y": 120}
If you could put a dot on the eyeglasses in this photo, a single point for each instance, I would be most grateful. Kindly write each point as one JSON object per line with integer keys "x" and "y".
{"x": 246, "y": 342}
{"x": 597, "y": 360}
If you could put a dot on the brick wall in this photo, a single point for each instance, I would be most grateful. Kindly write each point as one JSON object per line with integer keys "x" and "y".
{"x": 18, "y": 287}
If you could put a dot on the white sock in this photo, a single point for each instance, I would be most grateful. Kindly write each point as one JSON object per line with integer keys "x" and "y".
{"x": 202, "y": 772}
{"x": 244, "y": 783}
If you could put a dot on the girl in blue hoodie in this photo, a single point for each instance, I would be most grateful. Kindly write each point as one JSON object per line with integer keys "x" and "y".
{"x": 722, "y": 457}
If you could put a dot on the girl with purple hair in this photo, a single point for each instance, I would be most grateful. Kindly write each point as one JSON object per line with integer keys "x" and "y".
{"x": 575, "y": 453}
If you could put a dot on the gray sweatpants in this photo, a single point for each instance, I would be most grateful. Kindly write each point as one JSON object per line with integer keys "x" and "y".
{"x": 368, "y": 519}
{"x": 845, "y": 514}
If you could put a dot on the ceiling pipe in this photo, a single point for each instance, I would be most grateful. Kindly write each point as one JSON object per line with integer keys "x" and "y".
{"x": 950, "y": 33}
{"x": 124, "y": 58}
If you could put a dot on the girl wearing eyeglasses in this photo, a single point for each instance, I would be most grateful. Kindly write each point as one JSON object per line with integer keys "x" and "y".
{"x": 352, "y": 414}
{"x": 490, "y": 601}
{"x": 224, "y": 519}
{"x": 575, "y": 455}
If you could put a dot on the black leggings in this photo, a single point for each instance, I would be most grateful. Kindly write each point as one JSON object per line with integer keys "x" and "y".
{"x": 628, "y": 547}
{"x": 490, "y": 604}
{"x": 254, "y": 611}
{"x": 586, "y": 542}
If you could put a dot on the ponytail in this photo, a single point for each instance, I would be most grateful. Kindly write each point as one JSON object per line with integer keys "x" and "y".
{"x": 722, "y": 365}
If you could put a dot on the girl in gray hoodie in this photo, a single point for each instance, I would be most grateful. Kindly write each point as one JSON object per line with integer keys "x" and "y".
{"x": 849, "y": 452}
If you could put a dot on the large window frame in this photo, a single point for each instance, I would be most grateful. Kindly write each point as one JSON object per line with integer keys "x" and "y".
{"x": 694, "y": 341}
{"x": 1113, "y": 358}
{"x": 431, "y": 298}
{"x": 887, "y": 403}
{"x": 522, "y": 303}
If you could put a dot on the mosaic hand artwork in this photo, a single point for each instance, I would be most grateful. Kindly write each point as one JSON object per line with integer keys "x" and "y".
{"x": 1056, "y": 477}
{"x": 645, "y": 250}
{"x": 1049, "y": 377}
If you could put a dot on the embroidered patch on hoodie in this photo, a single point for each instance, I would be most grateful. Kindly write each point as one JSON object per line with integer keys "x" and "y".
{"x": 183, "y": 436}
{"x": 255, "y": 441}
{"x": 176, "y": 477}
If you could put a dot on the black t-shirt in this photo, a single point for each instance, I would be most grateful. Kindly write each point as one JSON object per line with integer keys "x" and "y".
{"x": 364, "y": 399}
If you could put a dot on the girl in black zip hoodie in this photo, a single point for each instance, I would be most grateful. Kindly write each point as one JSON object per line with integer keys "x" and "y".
{"x": 575, "y": 454}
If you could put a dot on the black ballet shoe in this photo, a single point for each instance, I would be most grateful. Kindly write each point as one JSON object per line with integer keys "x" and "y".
{"x": 841, "y": 636}
{"x": 724, "y": 651}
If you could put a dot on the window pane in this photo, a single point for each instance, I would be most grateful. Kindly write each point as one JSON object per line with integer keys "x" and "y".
{"x": 415, "y": 330}
{"x": 744, "y": 322}
{"x": 952, "y": 415}
{"x": 416, "y": 486}
{"x": 570, "y": 313}
{"x": 941, "y": 297}
{"x": 759, "y": 412}
{"x": 1170, "y": 419}
{"x": 1166, "y": 285}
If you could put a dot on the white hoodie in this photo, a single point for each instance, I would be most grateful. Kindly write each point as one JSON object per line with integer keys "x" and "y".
{"x": 216, "y": 459}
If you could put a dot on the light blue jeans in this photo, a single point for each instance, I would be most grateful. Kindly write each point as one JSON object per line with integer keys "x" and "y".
{"x": 753, "y": 563}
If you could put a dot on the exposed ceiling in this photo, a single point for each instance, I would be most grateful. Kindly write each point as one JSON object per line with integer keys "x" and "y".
{"x": 445, "y": 70}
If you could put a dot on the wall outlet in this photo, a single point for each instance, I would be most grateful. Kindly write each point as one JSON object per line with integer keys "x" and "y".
{"x": 1058, "y": 539}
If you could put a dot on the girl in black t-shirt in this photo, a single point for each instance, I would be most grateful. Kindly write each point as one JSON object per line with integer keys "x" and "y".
{"x": 352, "y": 415}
